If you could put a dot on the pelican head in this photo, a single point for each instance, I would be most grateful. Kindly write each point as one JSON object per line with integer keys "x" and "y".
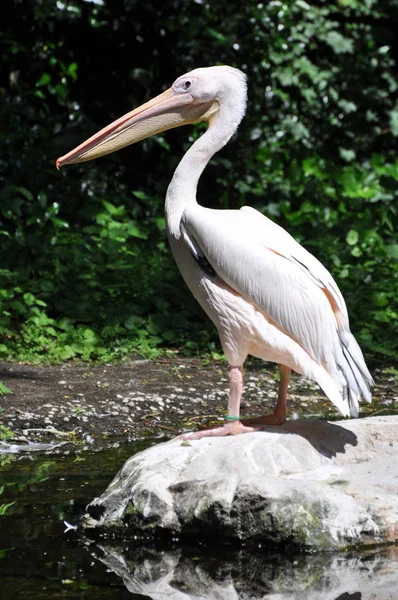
{"x": 193, "y": 97}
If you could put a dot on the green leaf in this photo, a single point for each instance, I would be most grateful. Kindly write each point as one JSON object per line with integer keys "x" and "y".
{"x": 346, "y": 154}
{"x": 72, "y": 69}
{"x": 4, "y": 389}
{"x": 29, "y": 299}
{"x": 220, "y": 37}
{"x": 303, "y": 5}
{"x": 352, "y": 237}
{"x": 5, "y": 507}
{"x": 394, "y": 121}
{"x": 133, "y": 323}
{"x": 392, "y": 251}
{"x": 339, "y": 43}
{"x": 347, "y": 106}
{"x": 67, "y": 352}
{"x": 135, "y": 231}
{"x": 112, "y": 209}
{"x": 141, "y": 195}
{"x": 44, "y": 80}
{"x": 90, "y": 336}
{"x": 25, "y": 192}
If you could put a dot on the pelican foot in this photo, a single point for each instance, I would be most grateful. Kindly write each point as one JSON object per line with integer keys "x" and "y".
{"x": 277, "y": 418}
{"x": 238, "y": 427}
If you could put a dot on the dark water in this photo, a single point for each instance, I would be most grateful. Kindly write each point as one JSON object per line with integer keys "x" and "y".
{"x": 39, "y": 561}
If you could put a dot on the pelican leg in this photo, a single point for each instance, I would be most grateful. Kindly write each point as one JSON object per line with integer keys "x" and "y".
{"x": 278, "y": 417}
{"x": 235, "y": 390}
{"x": 235, "y": 426}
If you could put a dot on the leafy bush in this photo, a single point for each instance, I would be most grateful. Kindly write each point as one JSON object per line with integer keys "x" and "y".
{"x": 86, "y": 270}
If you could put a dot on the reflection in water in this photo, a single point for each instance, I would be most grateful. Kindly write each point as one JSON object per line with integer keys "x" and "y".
{"x": 189, "y": 574}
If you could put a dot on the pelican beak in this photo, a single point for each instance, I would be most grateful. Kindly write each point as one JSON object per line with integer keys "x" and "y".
{"x": 166, "y": 111}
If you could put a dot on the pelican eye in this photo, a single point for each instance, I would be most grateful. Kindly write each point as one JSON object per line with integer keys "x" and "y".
{"x": 183, "y": 85}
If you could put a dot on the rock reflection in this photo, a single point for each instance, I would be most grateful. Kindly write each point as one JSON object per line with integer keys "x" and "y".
{"x": 192, "y": 574}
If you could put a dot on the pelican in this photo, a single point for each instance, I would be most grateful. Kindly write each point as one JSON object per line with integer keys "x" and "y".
{"x": 267, "y": 296}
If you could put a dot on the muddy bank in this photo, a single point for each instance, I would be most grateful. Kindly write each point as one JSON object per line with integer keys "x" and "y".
{"x": 99, "y": 404}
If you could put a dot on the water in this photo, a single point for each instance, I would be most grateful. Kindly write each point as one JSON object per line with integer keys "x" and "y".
{"x": 39, "y": 561}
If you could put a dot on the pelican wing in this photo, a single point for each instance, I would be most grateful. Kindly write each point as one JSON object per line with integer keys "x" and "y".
{"x": 279, "y": 240}
{"x": 265, "y": 265}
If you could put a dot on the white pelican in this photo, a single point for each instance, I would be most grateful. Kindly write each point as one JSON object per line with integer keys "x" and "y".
{"x": 264, "y": 292}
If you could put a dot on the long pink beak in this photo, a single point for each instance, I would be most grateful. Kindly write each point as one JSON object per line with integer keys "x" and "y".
{"x": 168, "y": 110}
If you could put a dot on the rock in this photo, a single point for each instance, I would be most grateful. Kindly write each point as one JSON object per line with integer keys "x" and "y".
{"x": 313, "y": 485}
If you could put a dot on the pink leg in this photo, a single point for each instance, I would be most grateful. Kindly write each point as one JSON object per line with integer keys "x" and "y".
{"x": 278, "y": 417}
{"x": 234, "y": 426}
{"x": 235, "y": 390}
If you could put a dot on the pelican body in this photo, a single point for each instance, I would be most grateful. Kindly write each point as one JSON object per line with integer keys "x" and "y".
{"x": 266, "y": 295}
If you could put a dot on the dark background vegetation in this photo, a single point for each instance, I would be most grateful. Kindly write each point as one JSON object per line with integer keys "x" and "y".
{"x": 85, "y": 269}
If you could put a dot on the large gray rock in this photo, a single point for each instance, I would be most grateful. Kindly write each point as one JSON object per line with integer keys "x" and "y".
{"x": 309, "y": 484}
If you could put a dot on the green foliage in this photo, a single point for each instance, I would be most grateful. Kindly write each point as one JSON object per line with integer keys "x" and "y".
{"x": 4, "y": 389}
{"x": 86, "y": 271}
{"x": 4, "y": 507}
{"x": 392, "y": 371}
{"x": 6, "y": 434}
